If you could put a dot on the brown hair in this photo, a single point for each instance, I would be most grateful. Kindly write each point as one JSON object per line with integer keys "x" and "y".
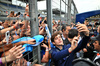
{"x": 12, "y": 12}
{"x": 54, "y": 35}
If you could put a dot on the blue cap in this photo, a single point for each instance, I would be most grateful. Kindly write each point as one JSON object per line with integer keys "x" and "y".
{"x": 29, "y": 47}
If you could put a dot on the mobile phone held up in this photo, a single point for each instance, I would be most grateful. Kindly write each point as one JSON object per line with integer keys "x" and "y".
{"x": 7, "y": 34}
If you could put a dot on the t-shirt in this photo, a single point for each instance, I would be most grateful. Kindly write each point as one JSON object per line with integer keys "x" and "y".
{"x": 66, "y": 41}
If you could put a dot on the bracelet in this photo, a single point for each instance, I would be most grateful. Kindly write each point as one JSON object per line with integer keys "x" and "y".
{"x": 28, "y": 15}
{"x": 69, "y": 50}
{"x": 14, "y": 27}
{"x": 47, "y": 49}
{"x": 0, "y": 61}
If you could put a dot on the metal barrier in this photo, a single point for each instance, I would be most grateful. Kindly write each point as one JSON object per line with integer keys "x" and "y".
{"x": 29, "y": 17}
{"x": 32, "y": 22}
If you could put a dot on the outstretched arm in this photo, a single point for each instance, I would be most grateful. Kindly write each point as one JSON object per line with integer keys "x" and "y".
{"x": 9, "y": 46}
{"x": 14, "y": 53}
{"x": 82, "y": 28}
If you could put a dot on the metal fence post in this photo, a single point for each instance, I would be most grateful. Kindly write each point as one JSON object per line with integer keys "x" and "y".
{"x": 49, "y": 14}
{"x": 60, "y": 14}
{"x": 65, "y": 12}
{"x": 34, "y": 17}
{"x": 75, "y": 11}
{"x": 69, "y": 11}
{"x": 33, "y": 12}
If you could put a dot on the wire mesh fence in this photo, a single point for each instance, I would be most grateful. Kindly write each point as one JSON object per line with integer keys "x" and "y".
{"x": 19, "y": 24}
{"x": 15, "y": 24}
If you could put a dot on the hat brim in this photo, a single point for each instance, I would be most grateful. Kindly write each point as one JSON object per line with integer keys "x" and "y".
{"x": 93, "y": 38}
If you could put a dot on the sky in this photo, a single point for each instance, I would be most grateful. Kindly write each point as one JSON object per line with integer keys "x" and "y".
{"x": 81, "y": 5}
{"x": 87, "y": 5}
{"x": 16, "y": 2}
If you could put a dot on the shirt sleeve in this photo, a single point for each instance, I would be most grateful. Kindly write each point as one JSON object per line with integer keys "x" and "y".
{"x": 82, "y": 44}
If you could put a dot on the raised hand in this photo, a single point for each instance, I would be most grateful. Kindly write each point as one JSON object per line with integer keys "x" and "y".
{"x": 44, "y": 45}
{"x": 83, "y": 28}
{"x": 32, "y": 41}
{"x": 15, "y": 53}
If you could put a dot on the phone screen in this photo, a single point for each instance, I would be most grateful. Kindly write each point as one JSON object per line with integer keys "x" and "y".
{"x": 7, "y": 34}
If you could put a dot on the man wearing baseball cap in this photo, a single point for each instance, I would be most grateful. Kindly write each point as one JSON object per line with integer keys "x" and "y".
{"x": 97, "y": 48}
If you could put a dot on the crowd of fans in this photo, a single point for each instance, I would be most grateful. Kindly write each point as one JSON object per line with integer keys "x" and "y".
{"x": 61, "y": 49}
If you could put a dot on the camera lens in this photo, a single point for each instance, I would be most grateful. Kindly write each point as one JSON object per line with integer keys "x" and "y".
{"x": 7, "y": 34}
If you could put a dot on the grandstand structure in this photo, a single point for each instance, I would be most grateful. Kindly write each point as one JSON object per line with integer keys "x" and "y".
{"x": 91, "y": 15}
{"x": 8, "y": 5}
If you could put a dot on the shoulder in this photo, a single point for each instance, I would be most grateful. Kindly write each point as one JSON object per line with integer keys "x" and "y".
{"x": 53, "y": 50}
{"x": 68, "y": 45}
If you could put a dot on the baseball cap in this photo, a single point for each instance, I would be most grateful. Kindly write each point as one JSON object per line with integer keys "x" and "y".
{"x": 97, "y": 38}
{"x": 29, "y": 47}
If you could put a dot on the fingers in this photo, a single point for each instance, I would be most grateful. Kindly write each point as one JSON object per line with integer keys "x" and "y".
{"x": 75, "y": 41}
{"x": 17, "y": 50}
{"x": 12, "y": 49}
{"x": 18, "y": 47}
{"x": 74, "y": 44}
{"x": 32, "y": 41}
{"x": 20, "y": 51}
{"x": 4, "y": 41}
{"x": 82, "y": 28}
{"x": 44, "y": 45}
{"x": 19, "y": 56}
{"x": 76, "y": 38}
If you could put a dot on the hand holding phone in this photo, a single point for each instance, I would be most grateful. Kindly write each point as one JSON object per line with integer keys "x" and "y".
{"x": 7, "y": 34}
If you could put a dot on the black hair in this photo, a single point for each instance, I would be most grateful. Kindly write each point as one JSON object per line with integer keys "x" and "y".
{"x": 89, "y": 25}
{"x": 18, "y": 13}
{"x": 38, "y": 15}
{"x": 72, "y": 33}
{"x": 86, "y": 19}
{"x": 63, "y": 27}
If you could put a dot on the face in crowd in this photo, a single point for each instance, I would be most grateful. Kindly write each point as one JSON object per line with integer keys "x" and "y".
{"x": 98, "y": 29}
{"x": 67, "y": 29}
{"x": 57, "y": 39}
{"x": 96, "y": 45}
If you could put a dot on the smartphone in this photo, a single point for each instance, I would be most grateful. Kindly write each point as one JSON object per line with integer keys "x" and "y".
{"x": 7, "y": 34}
{"x": 14, "y": 22}
{"x": 78, "y": 23}
{"x": 21, "y": 25}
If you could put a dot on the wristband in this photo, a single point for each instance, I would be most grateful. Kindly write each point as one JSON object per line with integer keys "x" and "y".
{"x": 0, "y": 61}
{"x": 69, "y": 50}
{"x": 28, "y": 15}
{"x": 14, "y": 27}
{"x": 47, "y": 49}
